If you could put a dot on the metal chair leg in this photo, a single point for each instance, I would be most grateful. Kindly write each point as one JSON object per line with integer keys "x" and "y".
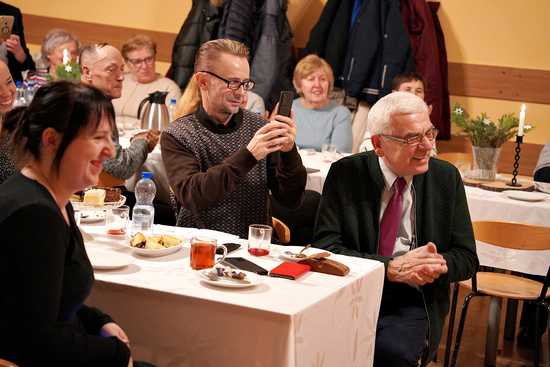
{"x": 451, "y": 324}
{"x": 463, "y": 312}
{"x": 491, "y": 342}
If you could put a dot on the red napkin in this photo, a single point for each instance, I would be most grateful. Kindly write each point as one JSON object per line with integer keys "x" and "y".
{"x": 289, "y": 270}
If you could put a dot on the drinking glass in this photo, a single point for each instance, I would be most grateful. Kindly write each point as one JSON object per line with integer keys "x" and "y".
{"x": 329, "y": 152}
{"x": 203, "y": 253}
{"x": 116, "y": 220}
{"x": 259, "y": 239}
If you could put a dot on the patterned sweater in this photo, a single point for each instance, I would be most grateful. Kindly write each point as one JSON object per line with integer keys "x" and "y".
{"x": 218, "y": 182}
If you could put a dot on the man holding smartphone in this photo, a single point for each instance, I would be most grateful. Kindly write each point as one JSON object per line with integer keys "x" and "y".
{"x": 221, "y": 160}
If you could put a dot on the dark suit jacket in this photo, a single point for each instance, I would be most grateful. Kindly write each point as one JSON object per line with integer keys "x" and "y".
{"x": 348, "y": 223}
{"x": 15, "y": 66}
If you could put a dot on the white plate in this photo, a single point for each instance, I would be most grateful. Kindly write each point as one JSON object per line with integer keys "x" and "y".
{"x": 104, "y": 259}
{"x": 297, "y": 249}
{"x": 92, "y": 216}
{"x": 157, "y": 252}
{"x": 254, "y": 279}
{"x": 525, "y": 196}
{"x": 543, "y": 186}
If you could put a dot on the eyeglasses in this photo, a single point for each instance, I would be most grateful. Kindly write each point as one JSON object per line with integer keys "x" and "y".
{"x": 416, "y": 139}
{"x": 247, "y": 84}
{"x": 146, "y": 60}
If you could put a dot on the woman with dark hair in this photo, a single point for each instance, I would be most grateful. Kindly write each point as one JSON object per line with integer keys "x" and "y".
{"x": 62, "y": 138}
{"x": 7, "y": 96}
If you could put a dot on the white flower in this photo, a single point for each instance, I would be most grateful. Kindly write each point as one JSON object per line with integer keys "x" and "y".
{"x": 527, "y": 127}
{"x": 68, "y": 68}
{"x": 459, "y": 111}
{"x": 487, "y": 121}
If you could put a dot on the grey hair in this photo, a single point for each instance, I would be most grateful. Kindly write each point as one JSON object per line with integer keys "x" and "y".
{"x": 396, "y": 103}
{"x": 54, "y": 38}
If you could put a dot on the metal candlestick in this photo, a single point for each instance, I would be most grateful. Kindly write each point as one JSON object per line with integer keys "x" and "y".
{"x": 519, "y": 141}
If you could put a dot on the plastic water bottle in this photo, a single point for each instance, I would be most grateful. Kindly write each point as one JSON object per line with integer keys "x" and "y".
{"x": 172, "y": 109}
{"x": 20, "y": 94}
{"x": 143, "y": 213}
{"x": 31, "y": 90}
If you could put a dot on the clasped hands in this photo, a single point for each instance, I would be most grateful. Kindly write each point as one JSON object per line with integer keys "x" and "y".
{"x": 420, "y": 266}
{"x": 278, "y": 134}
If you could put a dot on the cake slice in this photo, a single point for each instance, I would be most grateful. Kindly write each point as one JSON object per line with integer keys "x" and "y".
{"x": 94, "y": 197}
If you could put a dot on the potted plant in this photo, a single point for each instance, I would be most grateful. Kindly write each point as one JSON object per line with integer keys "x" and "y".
{"x": 487, "y": 138}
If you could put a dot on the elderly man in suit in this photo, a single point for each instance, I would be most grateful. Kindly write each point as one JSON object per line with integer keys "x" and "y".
{"x": 398, "y": 205}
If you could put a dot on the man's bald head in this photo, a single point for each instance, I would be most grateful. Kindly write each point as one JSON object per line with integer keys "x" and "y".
{"x": 102, "y": 66}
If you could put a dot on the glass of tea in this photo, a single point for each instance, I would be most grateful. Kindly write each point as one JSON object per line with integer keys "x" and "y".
{"x": 116, "y": 220}
{"x": 203, "y": 253}
{"x": 259, "y": 239}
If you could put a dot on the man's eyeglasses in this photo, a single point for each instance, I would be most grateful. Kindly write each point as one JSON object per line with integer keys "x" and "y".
{"x": 146, "y": 60}
{"x": 247, "y": 84}
{"x": 416, "y": 139}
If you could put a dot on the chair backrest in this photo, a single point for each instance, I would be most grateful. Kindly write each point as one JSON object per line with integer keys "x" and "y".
{"x": 107, "y": 180}
{"x": 281, "y": 229}
{"x": 512, "y": 235}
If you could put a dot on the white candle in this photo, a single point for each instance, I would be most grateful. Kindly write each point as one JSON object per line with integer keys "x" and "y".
{"x": 521, "y": 120}
{"x": 66, "y": 57}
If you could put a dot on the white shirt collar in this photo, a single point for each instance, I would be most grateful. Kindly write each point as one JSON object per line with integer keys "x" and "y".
{"x": 390, "y": 177}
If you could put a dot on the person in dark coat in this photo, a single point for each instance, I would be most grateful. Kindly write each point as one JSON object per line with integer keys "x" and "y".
{"x": 14, "y": 50}
{"x": 200, "y": 26}
{"x": 329, "y": 37}
{"x": 399, "y": 206}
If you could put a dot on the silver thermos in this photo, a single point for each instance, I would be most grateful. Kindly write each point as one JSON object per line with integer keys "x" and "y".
{"x": 155, "y": 113}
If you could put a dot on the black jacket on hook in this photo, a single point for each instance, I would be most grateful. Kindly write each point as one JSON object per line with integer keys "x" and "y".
{"x": 200, "y": 26}
{"x": 329, "y": 37}
{"x": 375, "y": 50}
{"x": 378, "y": 50}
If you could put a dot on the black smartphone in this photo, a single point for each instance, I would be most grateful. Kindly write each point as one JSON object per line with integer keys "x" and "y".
{"x": 230, "y": 248}
{"x": 285, "y": 103}
{"x": 244, "y": 264}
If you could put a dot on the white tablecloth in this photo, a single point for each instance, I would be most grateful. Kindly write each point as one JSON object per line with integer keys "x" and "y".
{"x": 173, "y": 319}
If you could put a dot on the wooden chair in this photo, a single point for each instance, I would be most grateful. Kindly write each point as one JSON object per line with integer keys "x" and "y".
{"x": 281, "y": 229}
{"x": 107, "y": 180}
{"x": 4, "y": 363}
{"x": 501, "y": 285}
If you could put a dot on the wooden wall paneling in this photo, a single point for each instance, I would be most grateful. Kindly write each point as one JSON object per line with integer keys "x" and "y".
{"x": 37, "y": 26}
{"x": 497, "y": 82}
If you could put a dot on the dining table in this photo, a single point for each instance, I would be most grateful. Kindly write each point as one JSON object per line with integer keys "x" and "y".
{"x": 175, "y": 317}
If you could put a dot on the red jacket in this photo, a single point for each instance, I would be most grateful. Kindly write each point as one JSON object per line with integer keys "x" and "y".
{"x": 430, "y": 57}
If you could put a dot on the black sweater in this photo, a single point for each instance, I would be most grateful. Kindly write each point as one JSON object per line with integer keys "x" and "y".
{"x": 348, "y": 223}
{"x": 45, "y": 276}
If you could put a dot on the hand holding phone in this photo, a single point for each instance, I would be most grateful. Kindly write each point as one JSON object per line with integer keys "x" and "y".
{"x": 285, "y": 103}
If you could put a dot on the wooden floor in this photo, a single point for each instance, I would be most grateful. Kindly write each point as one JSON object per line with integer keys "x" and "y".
{"x": 472, "y": 350}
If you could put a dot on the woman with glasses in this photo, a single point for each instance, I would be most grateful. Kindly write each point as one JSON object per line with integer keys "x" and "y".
{"x": 319, "y": 120}
{"x": 53, "y": 52}
{"x": 139, "y": 52}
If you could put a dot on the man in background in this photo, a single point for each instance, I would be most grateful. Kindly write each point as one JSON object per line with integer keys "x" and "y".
{"x": 102, "y": 66}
